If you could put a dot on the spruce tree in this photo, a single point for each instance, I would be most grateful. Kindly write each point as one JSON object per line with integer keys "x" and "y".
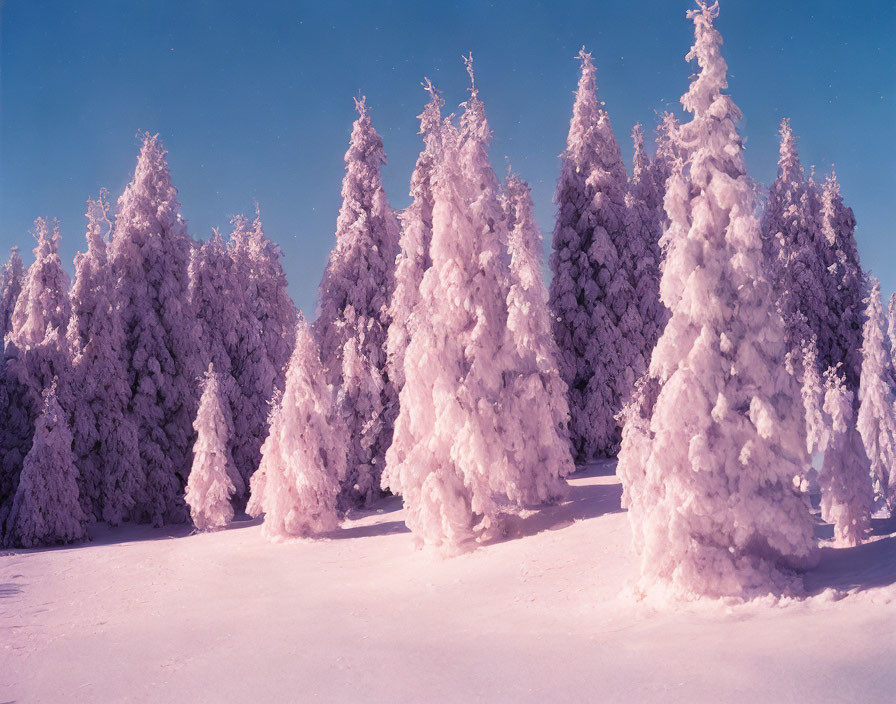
{"x": 10, "y": 287}
{"x": 105, "y": 434}
{"x": 150, "y": 258}
{"x": 354, "y": 311}
{"x": 715, "y": 511}
{"x": 592, "y": 299}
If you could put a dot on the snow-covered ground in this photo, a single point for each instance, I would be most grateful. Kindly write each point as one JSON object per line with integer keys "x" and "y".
{"x": 546, "y": 615}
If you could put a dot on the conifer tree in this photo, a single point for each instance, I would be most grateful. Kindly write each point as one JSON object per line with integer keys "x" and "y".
{"x": 213, "y": 474}
{"x": 303, "y": 459}
{"x": 891, "y": 325}
{"x": 449, "y": 459}
{"x": 46, "y": 509}
{"x": 845, "y": 478}
{"x": 592, "y": 299}
{"x": 150, "y": 258}
{"x": 715, "y": 511}
{"x": 416, "y": 234}
{"x": 537, "y": 427}
{"x": 10, "y": 287}
{"x": 354, "y": 311}
{"x": 104, "y": 432}
{"x": 877, "y": 396}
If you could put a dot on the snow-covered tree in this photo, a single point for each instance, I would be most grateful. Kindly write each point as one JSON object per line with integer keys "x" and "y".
{"x": 877, "y": 397}
{"x": 213, "y": 476}
{"x": 354, "y": 310}
{"x": 10, "y": 287}
{"x": 891, "y": 324}
{"x": 416, "y": 233}
{"x": 536, "y": 429}
{"x": 449, "y": 459}
{"x": 104, "y": 432}
{"x": 845, "y": 478}
{"x": 303, "y": 459}
{"x": 667, "y": 153}
{"x": 46, "y": 509}
{"x": 150, "y": 258}
{"x": 258, "y": 363}
{"x": 818, "y": 430}
{"x": 592, "y": 299}
{"x": 715, "y": 510}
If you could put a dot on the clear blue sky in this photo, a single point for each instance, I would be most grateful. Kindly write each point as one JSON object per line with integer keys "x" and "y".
{"x": 254, "y": 99}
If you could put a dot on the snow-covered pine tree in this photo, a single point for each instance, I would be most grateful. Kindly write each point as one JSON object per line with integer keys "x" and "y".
{"x": 891, "y": 324}
{"x": 36, "y": 353}
{"x": 591, "y": 293}
{"x": 10, "y": 287}
{"x": 536, "y": 428}
{"x": 845, "y": 478}
{"x": 667, "y": 154}
{"x": 150, "y": 259}
{"x": 877, "y": 398}
{"x": 105, "y": 435}
{"x": 46, "y": 509}
{"x": 258, "y": 364}
{"x": 715, "y": 511}
{"x": 303, "y": 459}
{"x": 213, "y": 475}
{"x": 354, "y": 311}
{"x": 449, "y": 460}
{"x": 416, "y": 233}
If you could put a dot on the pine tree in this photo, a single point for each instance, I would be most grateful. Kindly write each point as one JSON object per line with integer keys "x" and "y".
{"x": 715, "y": 511}
{"x": 891, "y": 324}
{"x": 303, "y": 459}
{"x": 150, "y": 258}
{"x": 10, "y": 287}
{"x": 591, "y": 292}
{"x": 354, "y": 311}
{"x": 845, "y": 477}
{"x": 46, "y": 509}
{"x": 537, "y": 428}
{"x": 416, "y": 235}
{"x": 449, "y": 459}
{"x": 877, "y": 397}
{"x": 105, "y": 434}
{"x": 213, "y": 475}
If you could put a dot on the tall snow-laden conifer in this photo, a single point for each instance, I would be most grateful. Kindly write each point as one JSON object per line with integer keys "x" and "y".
{"x": 354, "y": 311}
{"x": 104, "y": 433}
{"x": 596, "y": 322}
{"x": 449, "y": 459}
{"x": 303, "y": 459}
{"x": 213, "y": 474}
{"x": 537, "y": 426}
{"x": 891, "y": 324}
{"x": 10, "y": 287}
{"x": 715, "y": 510}
{"x": 416, "y": 235}
{"x": 46, "y": 510}
{"x": 150, "y": 258}
{"x": 877, "y": 397}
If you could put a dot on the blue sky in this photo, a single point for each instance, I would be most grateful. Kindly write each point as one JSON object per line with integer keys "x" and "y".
{"x": 254, "y": 99}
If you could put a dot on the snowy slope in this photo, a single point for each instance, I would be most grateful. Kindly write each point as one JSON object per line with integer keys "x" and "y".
{"x": 547, "y": 615}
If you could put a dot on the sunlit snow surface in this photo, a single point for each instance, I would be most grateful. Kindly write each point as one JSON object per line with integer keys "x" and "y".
{"x": 545, "y": 615}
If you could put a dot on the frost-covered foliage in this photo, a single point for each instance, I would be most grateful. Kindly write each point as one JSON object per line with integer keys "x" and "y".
{"x": 36, "y": 353}
{"x": 538, "y": 417}
{"x": 846, "y": 491}
{"x": 46, "y": 510}
{"x": 891, "y": 324}
{"x": 416, "y": 234}
{"x": 818, "y": 430}
{"x": 303, "y": 459}
{"x": 354, "y": 311}
{"x": 10, "y": 287}
{"x": 213, "y": 476}
{"x": 667, "y": 153}
{"x": 715, "y": 510}
{"x": 150, "y": 258}
{"x": 449, "y": 459}
{"x": 258, "y": 365}
{"x": 596, "y": 320}
{"x": 877, "y": 397}
{"x": 104, "y": 432}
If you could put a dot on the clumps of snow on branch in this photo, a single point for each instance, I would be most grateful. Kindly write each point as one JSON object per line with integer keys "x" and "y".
{"x": 10, "y": 287}
{"x": 303, "y": 459}
{"x": 213, "y": 474}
